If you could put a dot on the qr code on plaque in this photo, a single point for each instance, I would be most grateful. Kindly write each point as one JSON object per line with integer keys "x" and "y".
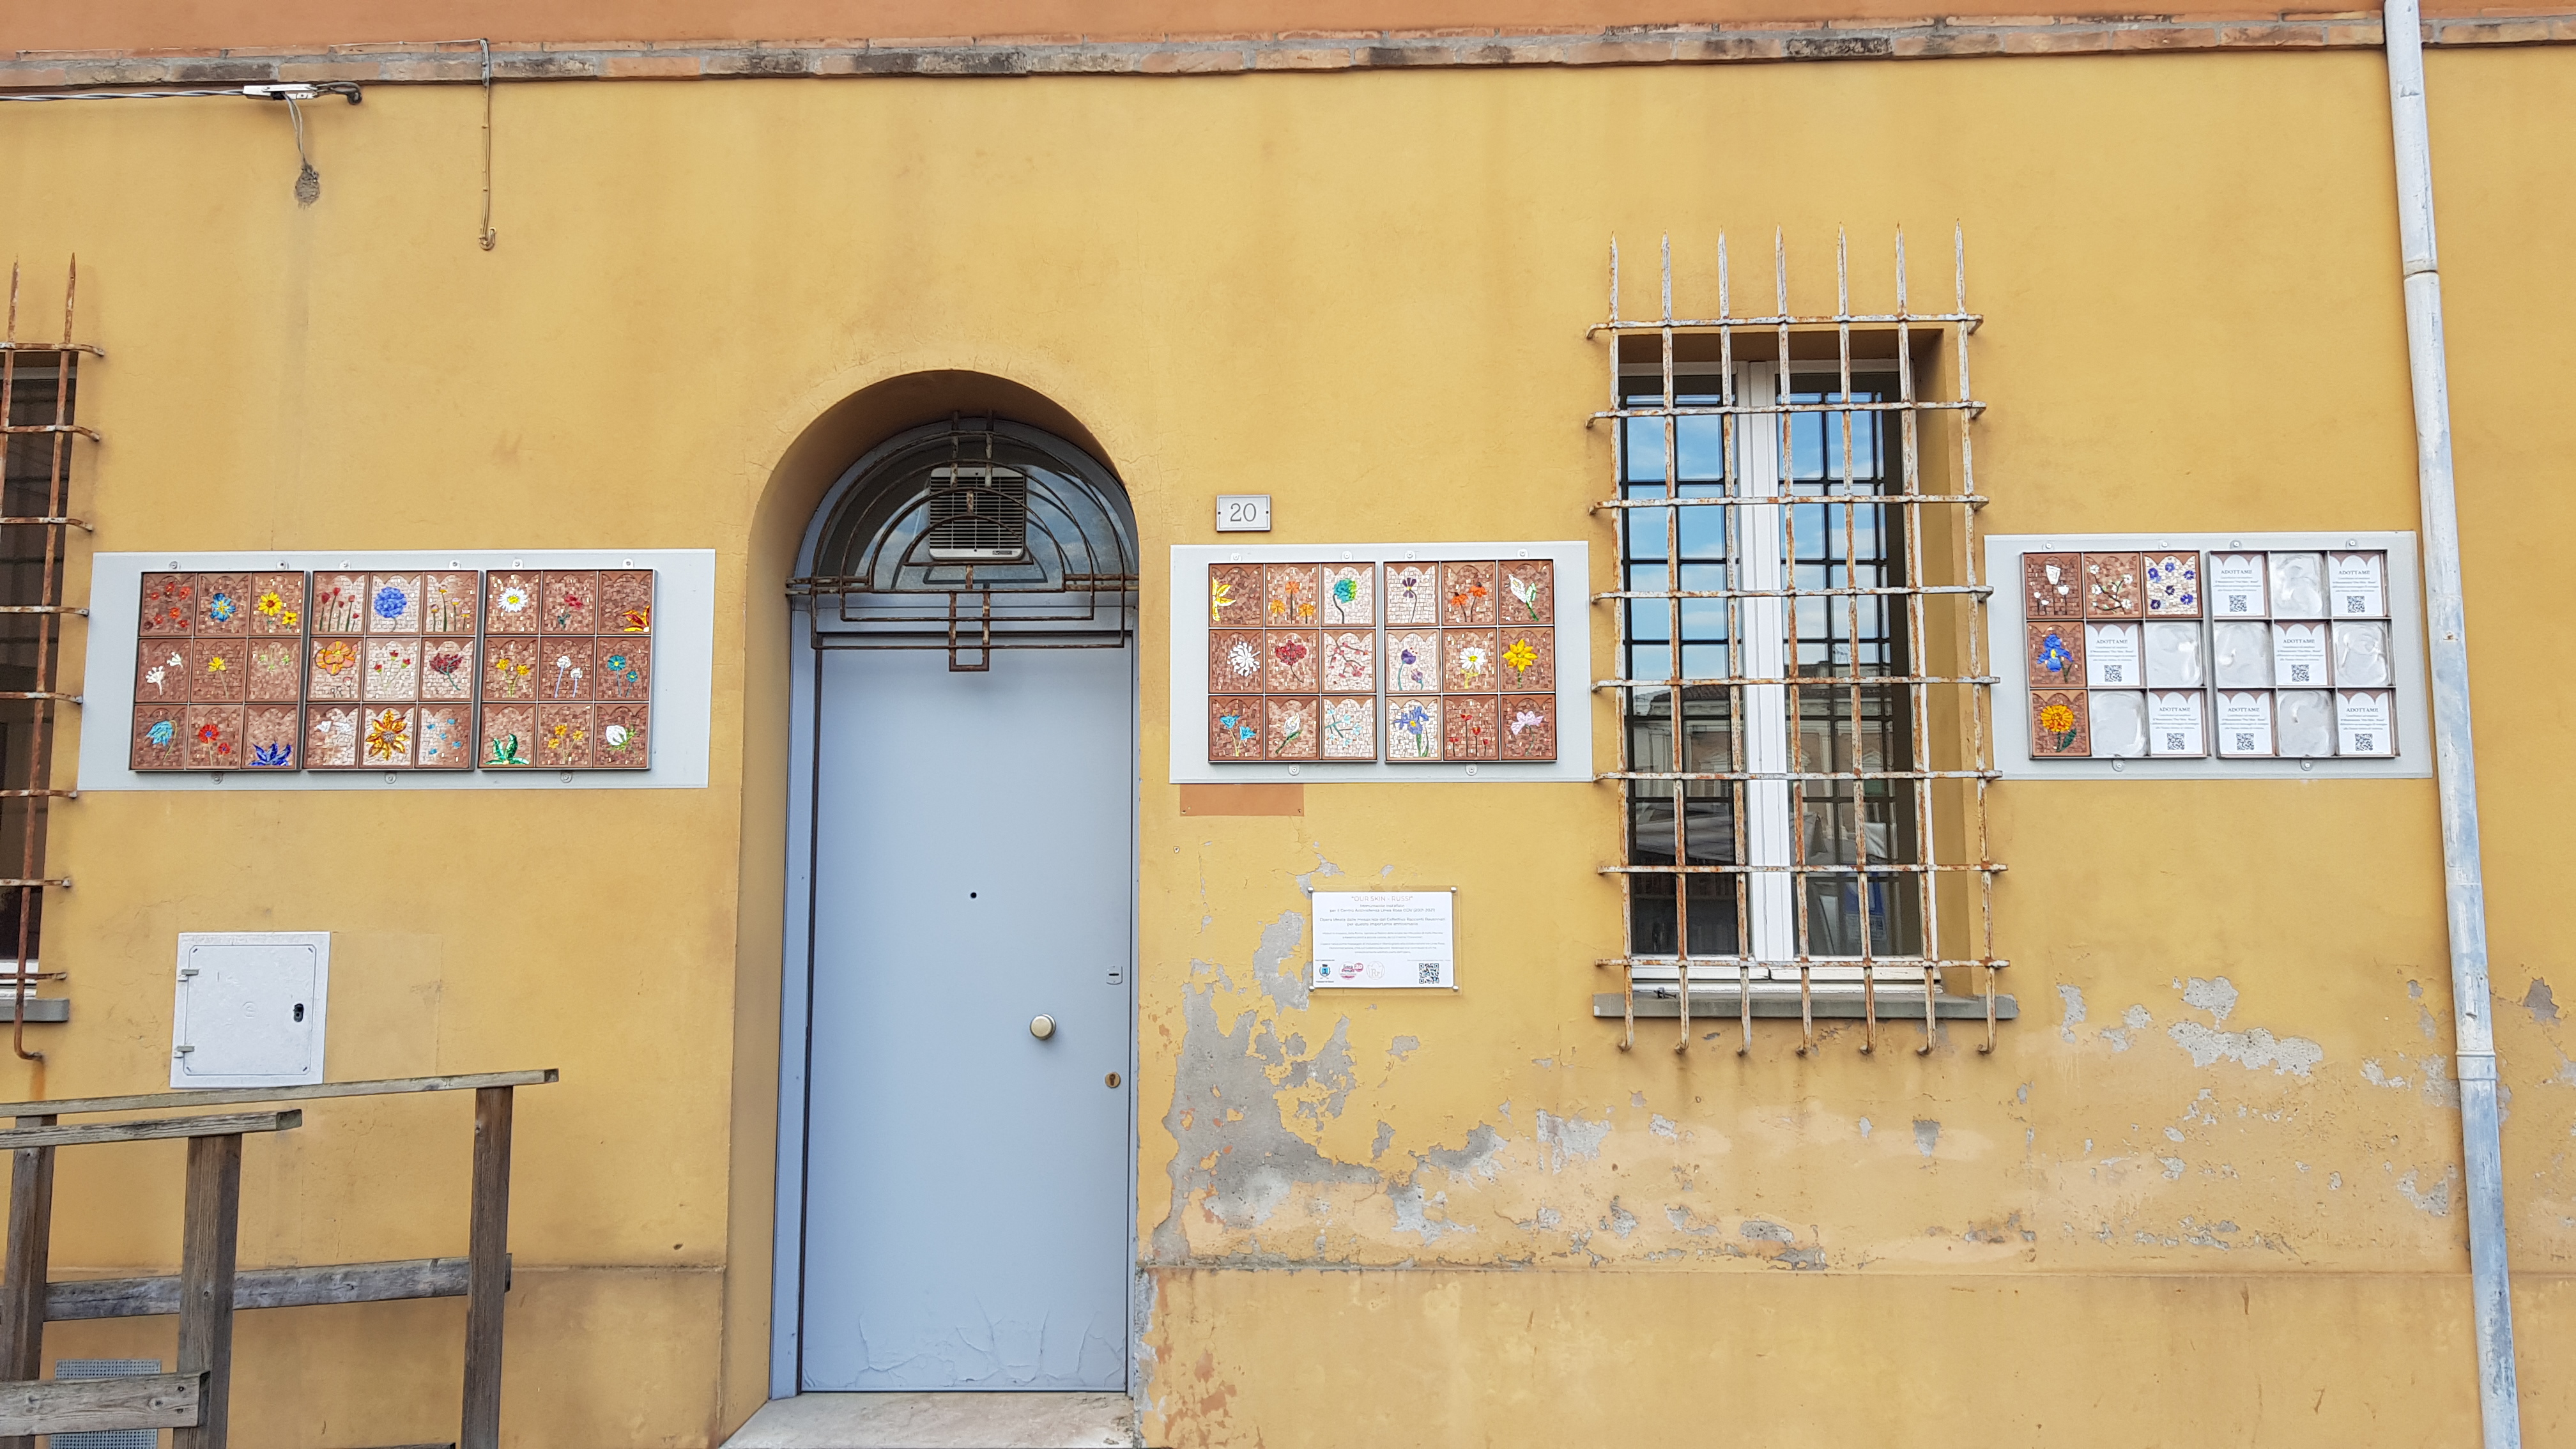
{"x": 1426, "y": 974}
{"x": 2298, "y": 674}
{"x": 2352, "y": 603}
{"x": 2173, "y": 739}
{"x": 2236, "y": 603}
{"x": 2245, "y": 741}
{"x": 2364, "y": 742}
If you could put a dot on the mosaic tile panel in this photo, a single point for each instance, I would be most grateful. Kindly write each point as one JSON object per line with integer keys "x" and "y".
{"x": 447, "y": 669}
{"x": 156, "y": 743}
{"x": 393, "y": 603}
{"x": 1467, "y": 594}
{"x": 1292, "y": 596}
{"x": 2060, "y": 726}
{"x": 621, "y": 743}
{"x": 275, "y": 737}
{"x": 2052, "y": 585}
{"x": 1234, "y": 596}
{"x": 386, "y": 734}
{"x": 1350, "y": 596}
{"x": 1234, "y": 661}
{"x": 509, "y": 670}
{"x": 625, "y": 668}
{"x": 334, "y": 670}
{"x": 205, "y": 649}
{"x": 1413, "y": 662}
{"x": 626, "y": 603}
{"x": 160, "y": 672}
{"x": 1350, "y": 728}
{"x": 169, "y": 606}
{"x": 1413, "y": 733}
{"x": 218, "y": 671}
{"x": 569, "y": 603}
{"x": 1467, "y": 660}
{"x": 1291, "y": 729}
{"x": 565, "y": 669}
{"x": 509, "y": 737}
{"x": 1529, "y": 593}
{"x": 510, "y": 604}
{"x": 1468, "y": 727}
{"x": 563, "y": 736}
{"x": 392, "y": 670}
{"x": 2055, "y": 658}
{"x": 331, "y": 736}
{"x": 1234, "y": 727}
{"x": 449, "y": 603}
{"x": 339, "y": 604}
{"x": 214, "y": 737}
{"x": 276, "y": 605}
{"x": 2172, "y": 583}
{"x": 276, "y": 670}
{"x": 1291, "y": 662}
{"x": 223, "y": 606}
{"x": 2111, "y": 586}
{"x": 1412, "y": 593}
{"x": 1528, "y": 727}
{"x": 1350, "y": 661}
{"x": 445, "y": 737}
{"x": 1528, "y": 659}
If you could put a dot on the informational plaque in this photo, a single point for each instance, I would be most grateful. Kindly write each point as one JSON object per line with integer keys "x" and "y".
{"x": 1385, "y": 938}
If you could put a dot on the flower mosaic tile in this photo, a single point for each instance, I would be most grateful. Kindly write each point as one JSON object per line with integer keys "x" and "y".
{"x": 1350, "y": 661}
{"x": 223, "y": 606}
{"x": 1528, "y": 727}
{"x": 1234, "y": 661}
{"x": 626, "y": 604}
{"x": 1412, "y": 593}
{"x": 331, "y": 736}
{"x": 1413, "y": 733}
{"x": 1234, "y": 727}
{"x": 445, "y": 738}
{"x": 386, "y": 733}
{"x": 448, "y": 602}
{"x": 1234, "y": 596}
{"x": 1529, "y": 593}
{"x": 565, "y": 669}
{"x": 569, "y": 603}
{"x": 218, "y": 671}
{"x": 1528, "y": 658}
{"x": 2172, "y": 585}
{"x": 214, "y": 737}
{"x": 392, "y": 670}
{"x": 393, "y": 603}
{"x": 447, "y": 669}
{"x": 2111, "y": 586}
{"x": 509, "y": 669}
{"x": 2055, "y": 657}
{"x": 509, "y": 737}
{"x": 169, "y": 605}
{"x": 563, "y": 736}
{"x": 274, "y": 736}
{"x": 1350, "y": 595}
{"x": 1291, "y": 728}
{"x": 160, "y": 672}
{"x": 1413, "y": 662}
{"x": 156, "y": 744}
{"x": 1467, "y": 594}
{"x": 1468, "y": 661}
{"x": 2060, "y": 726}
{"x": 1350, "y": 728}
{"x": 625, "y": 668}
{"x": 276, "y": 605}
{"x": 621, "y": 743}
{"x": 276, "y": 671}
{"x": 2052, "y": 585}
{"x": 1468, "y": 727}
{"x": 339, "y": 604}
{"x": 1290, "y": 661}
{"x": 1291, "y": 596}
{"x": 510, "y": 603}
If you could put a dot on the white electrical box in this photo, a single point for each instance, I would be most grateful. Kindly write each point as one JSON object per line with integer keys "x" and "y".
{"x": 250, "y": 1008}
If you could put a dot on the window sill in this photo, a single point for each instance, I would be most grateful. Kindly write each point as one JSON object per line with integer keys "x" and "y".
{"x": 1826, "y": 1002}
{"x": 42, "y": 1009}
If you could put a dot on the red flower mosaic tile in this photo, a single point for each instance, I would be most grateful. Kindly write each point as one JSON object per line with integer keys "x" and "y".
{"x": 1290, "y": 661}
{"x": 626, "y": 601}
{"x": 1468, "y": 726}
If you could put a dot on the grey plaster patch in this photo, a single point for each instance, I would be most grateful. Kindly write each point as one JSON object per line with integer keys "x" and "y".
{"x": 1663, "y": 1126}
{"x": 2216, "y": 996}
{"x": 1864, "y": 1128}
{"x": 2254, "y": 1049}
{"x": 1277, "y": 963}
{"x": 2538, "y": 1001}
{"x": 1561, "y": 1138}
{"x": 1255, "y": 1161}
{"x": 1768, "y": 1232}
{"x": 1385, "y": 1140}
{"x": 2072, "y": 999}
{"x": 1927, "y": 1135}
{"x": 1620, "y": 1222}
{"x": 2437, "y": 1202}
{"x": 1331, "y": 1066}
{"x": 1687, "y": 1221}
{"x": 1480, "y": 1158}
{"x": 1403, "y": 1046}
{"x": 2132, "y": 1021}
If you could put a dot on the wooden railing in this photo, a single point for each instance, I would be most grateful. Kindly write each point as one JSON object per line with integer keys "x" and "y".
{"x": 196, "y": 1401}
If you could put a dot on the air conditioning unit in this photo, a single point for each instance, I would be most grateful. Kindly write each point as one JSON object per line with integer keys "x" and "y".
{"x": 979, "y": 513}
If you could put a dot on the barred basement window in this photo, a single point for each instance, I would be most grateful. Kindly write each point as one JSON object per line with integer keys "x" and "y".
{"x": 1804, "y": 705}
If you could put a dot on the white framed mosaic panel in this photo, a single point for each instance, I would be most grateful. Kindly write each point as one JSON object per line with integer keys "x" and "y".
{"x": 2208, "y": 656}
{"x": 658, "y": 701}
{"x": 1353, "y": 658}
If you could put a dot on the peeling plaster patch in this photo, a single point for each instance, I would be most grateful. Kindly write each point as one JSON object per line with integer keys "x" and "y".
{"x": 2254, "y": 1050}
{"x": 2437, "y": 1202}
{"x": 1560, "y": 1138}
{"x": 2424, "y": 1024}
{"x": 1636, "y": 1099}
{"x": 1927, "y": 1135}
{"x": 1323, "y": 868}
{"x": 1476, "y": 1159}
{"x": 2439, "y": 1089}
{"x": 1620, "y": 1222}
{"x": 1237, "y": 1159}
{"x": 2021, "y": 1094}
{"x": 1769, "y": 1232}
{"x": 2174, "y": 1167}
{"x": 2334, "y": 1182}
{"x": 1864, "y": 1129}
{"x": 1403, "y": 1046}
{"x": 1663, "y": 1126}
{"x": 1280, "y": 941}
{"x": 1543, "y": 1061}
{"x": 1385, "y": 1140}
{"x": 2132, "y": 1021}
{"x": 1411, "y": 1215}
{"x": 1687, "y": 1221}
{"x": 2372, "y": 1073}
{"x": 2174, "y": 1133}
{"x": 2073, "y": 999}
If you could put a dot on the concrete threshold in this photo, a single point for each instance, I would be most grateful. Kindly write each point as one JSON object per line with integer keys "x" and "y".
{"x": 941, "y": 1421}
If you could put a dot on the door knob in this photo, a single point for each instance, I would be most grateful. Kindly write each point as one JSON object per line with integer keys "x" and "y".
{"x": 1042, "y": 1027}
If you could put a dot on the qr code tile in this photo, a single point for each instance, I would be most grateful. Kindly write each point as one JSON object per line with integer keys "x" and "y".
{"x": 2173, "y": 739}
{"x": 2244, "y": 741}
{"x": 2363, "y": 742}
{"x": 2236, "y": 604}
{"x": 2298, "y": 674}
{"x": 2353, "y": 603}
{"x": 1426, "y": 974}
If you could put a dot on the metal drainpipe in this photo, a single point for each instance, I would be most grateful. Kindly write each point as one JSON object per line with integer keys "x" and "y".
{"x": 2455, "y": 769}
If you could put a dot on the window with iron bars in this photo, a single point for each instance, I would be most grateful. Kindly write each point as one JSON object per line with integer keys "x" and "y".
{"x": 1803, "y": 704}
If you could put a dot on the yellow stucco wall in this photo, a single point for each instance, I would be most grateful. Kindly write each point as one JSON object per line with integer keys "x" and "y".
{"x": 1473, "y": 1219}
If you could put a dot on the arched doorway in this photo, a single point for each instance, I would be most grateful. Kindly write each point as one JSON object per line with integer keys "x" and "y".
{"x": 964, "y": 787}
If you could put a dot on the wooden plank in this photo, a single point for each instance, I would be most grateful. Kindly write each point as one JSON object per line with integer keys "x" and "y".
{"x": 488, "y": 1249}
{"x": 69, "y": 1406}
{"x": 83, "y": 1298}
{"x": 209, "y": 1232}
{"x": 228, "y": 1124}
{"x": 31, "y": 1225}
{"x": 388, "y": 1087}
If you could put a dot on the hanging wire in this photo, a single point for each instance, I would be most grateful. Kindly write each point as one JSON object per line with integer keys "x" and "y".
{"x": 490, "y": 238}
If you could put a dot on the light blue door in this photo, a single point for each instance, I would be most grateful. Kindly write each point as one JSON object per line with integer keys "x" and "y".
{"x": 966, "y": 1214}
